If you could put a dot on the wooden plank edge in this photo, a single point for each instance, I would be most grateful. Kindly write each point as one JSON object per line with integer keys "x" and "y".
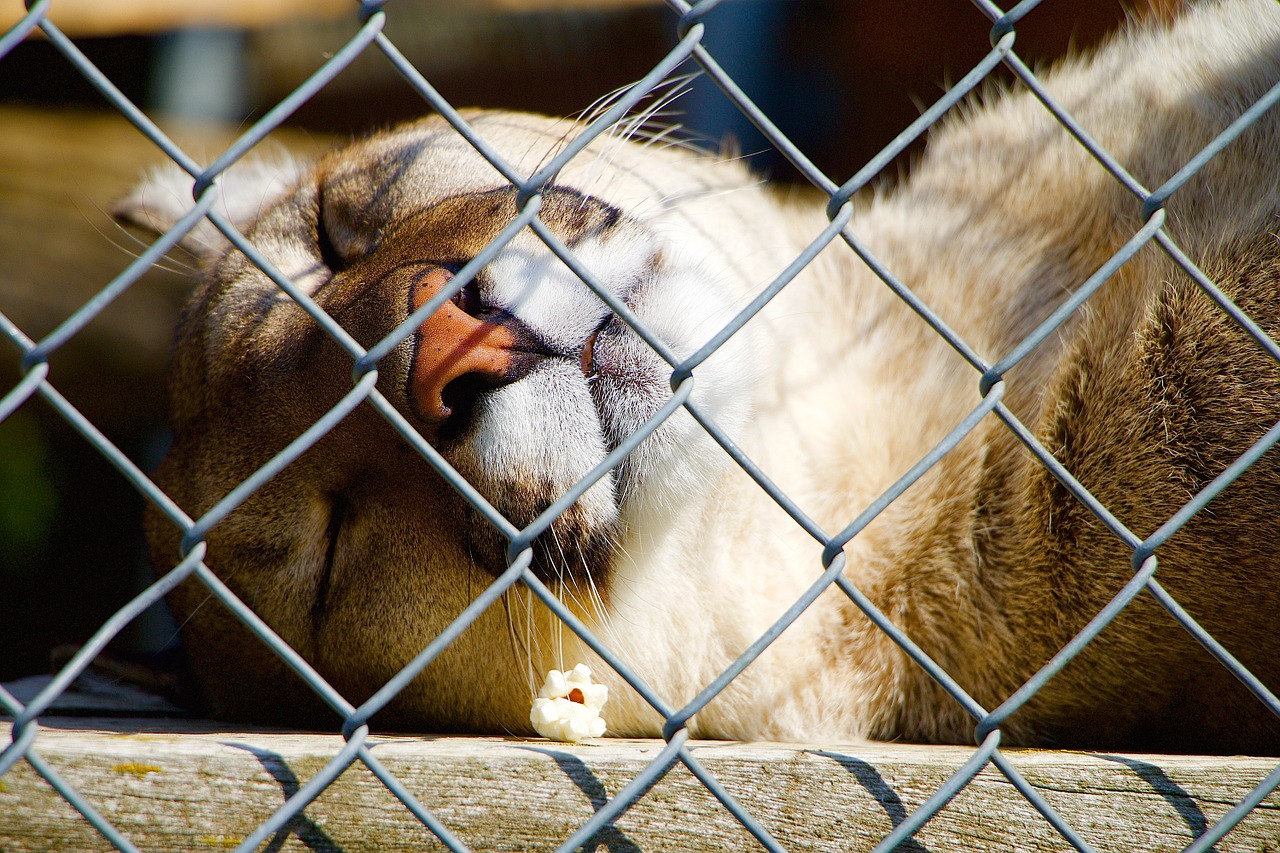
{"x": 190, "y": 785}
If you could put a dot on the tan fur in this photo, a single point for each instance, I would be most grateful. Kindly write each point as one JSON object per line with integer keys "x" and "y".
{"x": 677, "y": 560}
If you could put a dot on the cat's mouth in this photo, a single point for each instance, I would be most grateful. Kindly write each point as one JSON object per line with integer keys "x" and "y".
{"x": 587, "y": 359}
{"x": 573, "y": 550}
{"x": 525, "y": 444}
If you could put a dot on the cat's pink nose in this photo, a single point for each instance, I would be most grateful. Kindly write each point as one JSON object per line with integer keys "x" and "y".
{"x": 458, "y": 355}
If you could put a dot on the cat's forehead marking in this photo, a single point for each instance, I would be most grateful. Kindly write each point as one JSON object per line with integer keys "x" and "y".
{"x": 460, "y": 227}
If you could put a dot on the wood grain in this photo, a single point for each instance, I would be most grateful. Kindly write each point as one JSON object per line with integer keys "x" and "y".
{"x": 171, "y": 785}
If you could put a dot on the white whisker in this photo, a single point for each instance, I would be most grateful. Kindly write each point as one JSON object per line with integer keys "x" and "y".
{"x": 168, "y": 262}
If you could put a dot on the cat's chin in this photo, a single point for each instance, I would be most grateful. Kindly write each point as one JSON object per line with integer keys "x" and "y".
{"x": 526, "y": 447}
{"x": 576, "y": 546}
{"x": 574, "y": 549}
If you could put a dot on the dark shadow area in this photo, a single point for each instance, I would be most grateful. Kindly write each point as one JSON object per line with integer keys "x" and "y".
{"x": 870, "y": 779}
{"x": 1174, "y": 794}
{"x": 307, "y": 830}
{"x": 610, "y": 837}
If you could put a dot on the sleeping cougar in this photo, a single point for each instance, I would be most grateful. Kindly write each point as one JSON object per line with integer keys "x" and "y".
{"x": 359, "y": 552}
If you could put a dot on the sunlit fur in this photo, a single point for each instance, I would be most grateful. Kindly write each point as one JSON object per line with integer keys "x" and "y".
{"x": 358, "y": 553}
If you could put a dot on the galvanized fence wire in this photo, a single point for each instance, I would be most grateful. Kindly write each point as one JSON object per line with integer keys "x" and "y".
{"x": 990, "y": 385}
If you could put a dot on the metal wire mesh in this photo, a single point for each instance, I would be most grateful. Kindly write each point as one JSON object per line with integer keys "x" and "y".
{"x": 989, "y": 378}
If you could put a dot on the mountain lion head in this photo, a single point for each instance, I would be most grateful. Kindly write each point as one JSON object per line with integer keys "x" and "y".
{"x": 523, "y": 379}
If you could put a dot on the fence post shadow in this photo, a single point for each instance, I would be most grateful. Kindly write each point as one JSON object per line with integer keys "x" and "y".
{"x": 887, "y": 798}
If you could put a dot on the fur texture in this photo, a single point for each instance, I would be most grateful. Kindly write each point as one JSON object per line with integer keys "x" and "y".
{"x": 359, "y": 553}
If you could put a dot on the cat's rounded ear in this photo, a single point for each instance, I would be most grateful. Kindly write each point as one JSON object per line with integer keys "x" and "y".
{"x": 245, "y": 191}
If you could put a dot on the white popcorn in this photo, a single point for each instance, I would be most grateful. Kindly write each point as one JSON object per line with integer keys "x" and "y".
{"x": 568, "y": 706}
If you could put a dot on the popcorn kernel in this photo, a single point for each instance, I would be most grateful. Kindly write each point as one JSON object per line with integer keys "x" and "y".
{"x": 568, "y": 706}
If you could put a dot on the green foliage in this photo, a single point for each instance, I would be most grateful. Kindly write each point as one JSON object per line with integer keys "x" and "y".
{"x": 28, "y": 497}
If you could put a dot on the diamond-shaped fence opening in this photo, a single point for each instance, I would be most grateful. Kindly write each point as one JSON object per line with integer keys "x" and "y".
{"x": 994, "y": 378}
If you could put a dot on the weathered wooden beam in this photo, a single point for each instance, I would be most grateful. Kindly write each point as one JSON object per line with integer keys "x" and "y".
{"x": 172, "y": 785}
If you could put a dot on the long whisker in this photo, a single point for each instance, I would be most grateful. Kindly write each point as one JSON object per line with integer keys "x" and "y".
{"x": 593, "y": 111}
{"x": 597, "y": 602}
{"x": 654, "y": 105}
{"x": 519, "y": 651}
{"x": 639, "y": 122}
{"x": 533, "y": 642}
{"x": 168, "y": 263}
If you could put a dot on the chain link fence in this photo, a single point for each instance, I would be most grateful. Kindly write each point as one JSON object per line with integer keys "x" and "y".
{"x": 988, "y": 377}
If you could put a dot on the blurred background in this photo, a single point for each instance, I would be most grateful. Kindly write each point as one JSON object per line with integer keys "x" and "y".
{"x": 840, "y": 77}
